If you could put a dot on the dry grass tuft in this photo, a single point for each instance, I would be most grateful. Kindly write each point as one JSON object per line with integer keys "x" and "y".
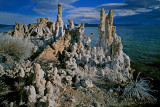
{"x": 16, "y": 47}
{"x": 138, "y": 90}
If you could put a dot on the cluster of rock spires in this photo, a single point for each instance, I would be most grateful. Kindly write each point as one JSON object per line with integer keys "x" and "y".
{"x": 63, "y": 56}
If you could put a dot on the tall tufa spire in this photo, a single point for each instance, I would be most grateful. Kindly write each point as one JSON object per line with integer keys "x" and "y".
{"x": 60, "y": 9}
{"x": 59, "y": 31}
{"x": 102, "y": 24}
{"x": 109, "y": 27}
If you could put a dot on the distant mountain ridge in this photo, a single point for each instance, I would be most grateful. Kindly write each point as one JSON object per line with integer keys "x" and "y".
{"x": 96, "y": 25}
{"x": 5, "y": 26}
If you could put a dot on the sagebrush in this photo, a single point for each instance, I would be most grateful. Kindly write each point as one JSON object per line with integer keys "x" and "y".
{"x": 139, "y": 90}
{"x": 16, "y": 47}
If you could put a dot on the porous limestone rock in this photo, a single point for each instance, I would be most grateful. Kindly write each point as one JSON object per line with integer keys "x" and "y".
{"x": 1, "y": 33}
{"x": 59, "y": 31}
{"x": 61, "y": 43}
{"x": 101, "y": 27}
{"x": 56, "y": 30}
{"x": 71, "y": 24}
{"x": 31, "y": 26}
{"x": 39, "y": 73}
{"x": 77, "y": 65}
{"x": 35, "y": 48}
{"x": 65, "y": 27}
{"x": 108, "y": 27}
{"x": 8, "y": 33}
{"x": 41, "y": 87}
{"x": 77, "y": 34}
{"x": 49, "y": 88}
{"x": 116, "y": 48}
{"x": 20, "y": 30}
{"x": 115, "y": 58}
{"x": 54, "y": 78}
{"x": 47, "y": 55}
{"x": 41, "y": 28}
{"x": 86, "y": 83}
{"x": 1, "y": 70}
{"x": 51, "y": 103}
{"x": 31, "y": 95}
{"x": 21, "y": 73}
{"x": 60, "y": 9}
{"x": 11, "y": 104}
{"x": 51, "y": 26}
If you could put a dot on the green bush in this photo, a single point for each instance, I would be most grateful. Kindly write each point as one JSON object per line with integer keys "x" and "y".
{"x": 16, "y": 47}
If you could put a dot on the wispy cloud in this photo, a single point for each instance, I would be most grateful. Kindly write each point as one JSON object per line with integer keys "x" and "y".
{"x": 50, "y": 6}
{"x": 124, "y": 12}
{"x": 11, "y": 18}
{"x": 113, "y": 5}
{"x": 83, "y": 14}
{"x": 131, "y": 7}
{"x": 27, "y": 11}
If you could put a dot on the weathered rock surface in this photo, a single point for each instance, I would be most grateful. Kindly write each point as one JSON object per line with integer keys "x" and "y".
{"x": 20, "y": 29}
{"x": 1, "y": 70}
{"x": 80, "y": 68}
{"x": 50, "y": 54}
{"x": 71, "y": 24}
{"x": 101, "y": 27}
{"x": 47, "y": 55}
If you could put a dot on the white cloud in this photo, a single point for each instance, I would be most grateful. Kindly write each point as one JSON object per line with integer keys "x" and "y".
{"x": 142, "y": 10}
{"x": 11, "y": 18}
{"x": 155, "y": 7}
{"x": 124, "y": 9}
{"x": 56, "y": 1}
{"x": 113, "y": 4}
{"x": 50, "y": 6}
{"x": 82, "y": 10}
{"x": 123, "y": 12}
{"x": 83, "y": 14}
{"x": 130, "y": 12}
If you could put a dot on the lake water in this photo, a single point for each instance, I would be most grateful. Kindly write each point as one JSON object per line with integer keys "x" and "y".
{"x": 5, "y": 29}
{"x": 141, "y": 43}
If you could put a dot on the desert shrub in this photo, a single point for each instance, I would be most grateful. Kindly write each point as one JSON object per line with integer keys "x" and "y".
{"x": 138, "y": 90}
{"x": 19, "y": 85}
{"x": 16, "y": 47}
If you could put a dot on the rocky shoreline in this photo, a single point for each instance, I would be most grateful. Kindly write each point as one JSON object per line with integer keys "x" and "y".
{"x": 63, "y": 70}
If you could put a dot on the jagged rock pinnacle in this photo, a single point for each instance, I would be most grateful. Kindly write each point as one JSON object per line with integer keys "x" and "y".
{"x": 102, "y": 19}
{"x": 108, "y": 27}
{"x": 102, "y": 24}
{"x": 60, "y": 9}
{"x": 71, "y": 25}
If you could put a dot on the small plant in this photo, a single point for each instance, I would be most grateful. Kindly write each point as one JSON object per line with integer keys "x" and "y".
{"x": 138, "y": 90}
{"x": 4, "y": 89}
{"x": 16, "y": 47}
{"x": 19, "y": 85}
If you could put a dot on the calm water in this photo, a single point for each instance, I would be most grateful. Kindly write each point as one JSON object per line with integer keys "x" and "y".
{"x": 5, "y": 29}
{"x": 141, "y": 43}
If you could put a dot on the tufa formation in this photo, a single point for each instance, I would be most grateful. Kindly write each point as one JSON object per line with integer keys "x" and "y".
{"x": 63, "y": 64}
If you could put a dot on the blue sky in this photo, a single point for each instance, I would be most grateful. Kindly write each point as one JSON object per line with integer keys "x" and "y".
{"x": 145, "y": 12}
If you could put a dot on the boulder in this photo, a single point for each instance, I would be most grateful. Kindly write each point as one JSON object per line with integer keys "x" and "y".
{"x": 86, "y": 83}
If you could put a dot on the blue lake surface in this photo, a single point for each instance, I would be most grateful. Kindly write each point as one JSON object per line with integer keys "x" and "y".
{"x": 5, "y": 29}
{"x": 141, "y": 43}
